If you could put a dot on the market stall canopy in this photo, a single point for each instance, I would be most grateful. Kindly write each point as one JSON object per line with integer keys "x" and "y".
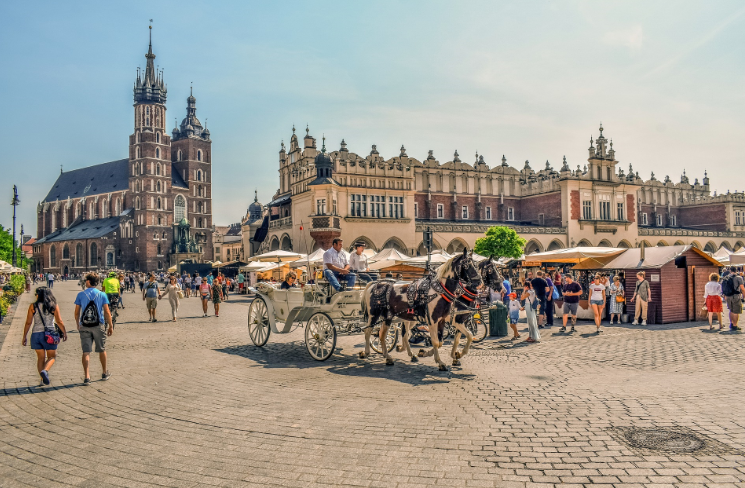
{"x": 436, "y": 259}
{"x": 574, "y": 255}
{"x": 390, "y": 253}
{"x": 257, "y": 266}
{"x": 229, "y": 264}
{"x": 737, "y": 258}
{"x": 722, "y": 253}
{"x": 654, "y": 257}
{"x": 172, "y": 269}
{"x": 278, "y": 256}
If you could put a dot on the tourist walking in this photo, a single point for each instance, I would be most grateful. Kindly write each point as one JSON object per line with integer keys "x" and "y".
{"x": 616, "y": 299}
{"x": 92, "y": 314}
{"x": 151, "y": 295}
{"x": 171, "y": 292}
{"x": 540, "y": 287}
{"x": 50, "y": 280}
{"x": 597, "y": 300}
{"x": 529, "y": 302}
{"x": 572, "y": 292}
{"x": 241, "y": 280}
{"x": 733, "y": 290}
{"x": 217, "y": 296}
{"x": 44, "y": 314}
{"x": 551, "y": 294}
{"x": 514, "y": 315}
{"x": 187, "y": 286}
{"x": 204, "y": 294}
{"x": 643, "y": 292}
{"x": 713, "y": 297}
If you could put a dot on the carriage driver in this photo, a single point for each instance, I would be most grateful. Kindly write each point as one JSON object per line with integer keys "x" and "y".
{"x": 336, "y": 266}
{"x": 358, "y": 263}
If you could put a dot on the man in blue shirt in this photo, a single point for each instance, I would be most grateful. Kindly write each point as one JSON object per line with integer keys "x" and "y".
{"x": 95, "y": 333}
{"x": 506, "y": 290}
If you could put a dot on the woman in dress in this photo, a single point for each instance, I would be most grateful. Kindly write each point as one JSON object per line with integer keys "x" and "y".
{"x": 528, "y": 299}
{"x": 597, "y": 300}
{"x": 713, "y": 297}
{"x": 171, "y": 292}
{"x": 616, "y": 306}
{"x": 216, "y": 296}
{"x": 43, "y": 313}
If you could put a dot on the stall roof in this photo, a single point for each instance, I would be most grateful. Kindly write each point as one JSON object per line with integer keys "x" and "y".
{"x": 654, "y": 257}
{"x": 573, "y": 254}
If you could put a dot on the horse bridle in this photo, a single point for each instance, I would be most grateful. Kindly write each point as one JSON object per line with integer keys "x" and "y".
{"x": 461, "y": 290}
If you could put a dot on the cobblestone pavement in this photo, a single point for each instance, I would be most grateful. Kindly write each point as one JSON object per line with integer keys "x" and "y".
{"x": 194, "y": 403}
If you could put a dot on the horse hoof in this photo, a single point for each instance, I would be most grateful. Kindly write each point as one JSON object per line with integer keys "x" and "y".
{"x": 363, "y": 355}
{"x": 420, "y": 353}
{"x": 442, "y": 367}
{"x": 414, "y": 359}
{"x": 399, "y": 348}
{"x": 456, "y": 362}
{"x": 458, "y": 355}
{"x": 389, "y": 362}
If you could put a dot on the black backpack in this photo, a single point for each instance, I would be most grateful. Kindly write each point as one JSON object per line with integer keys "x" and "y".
{"x": 90, "y": 317}
{"x": 728, "y": 285}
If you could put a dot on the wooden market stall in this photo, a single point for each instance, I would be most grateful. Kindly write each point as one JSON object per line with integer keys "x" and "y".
{"x": 677, "y": 276}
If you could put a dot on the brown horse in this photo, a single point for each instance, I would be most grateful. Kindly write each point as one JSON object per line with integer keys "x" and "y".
{"x": 433, "y": 296}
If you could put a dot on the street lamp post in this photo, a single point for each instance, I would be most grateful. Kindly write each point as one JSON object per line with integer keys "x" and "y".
{"x": 15, "y": 203}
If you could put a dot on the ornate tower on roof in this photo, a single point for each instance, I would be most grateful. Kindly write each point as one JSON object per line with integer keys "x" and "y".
{"x": 602, "y": 159}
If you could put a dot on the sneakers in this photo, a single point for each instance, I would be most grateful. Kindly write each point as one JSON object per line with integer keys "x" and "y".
{"x": 563, "y": 329}
{"x": 635, "y": 322}
{"x": 44, "y": 376}
{"x": 154, "y": 319}
{"x": 87, "y": 382}
{"x": 734, "y": 327}
{"x": 105, "y": 376}
{"x": 644, "y": 322}
{"x": 573, "y": 330}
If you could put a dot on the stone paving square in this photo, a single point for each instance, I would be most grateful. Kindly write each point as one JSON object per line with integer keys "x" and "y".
{"x": 195, "y": 403}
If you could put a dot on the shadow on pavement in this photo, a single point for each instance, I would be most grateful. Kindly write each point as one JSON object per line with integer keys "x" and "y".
{"x": 32, "y": 390}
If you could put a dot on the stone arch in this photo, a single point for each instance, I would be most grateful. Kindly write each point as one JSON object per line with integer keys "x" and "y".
{"x": 696, "y": 244}
{"x": 725, "y": 245}
{"x": 533, "y": 246}
{"x": 397, "y": 244}
{"x": 680, "y": 243}
{"x": 285, "y": 243}
{"x": 605, "y": 243}
{"x": 422, "y": 251}
{"x": 646, "y": 244}
{"x": 584, "y": 243}
{"x": 624, "y": 244}
{"x": 554, "y": 245}
{"x": 710, "y": 247}
{"x": 456, "y": 245}
{"x": 662, "y": 243}
{"x": 368, "y": 243}
{"x": 739, "y": 245}
{"x": 274, "y": 243}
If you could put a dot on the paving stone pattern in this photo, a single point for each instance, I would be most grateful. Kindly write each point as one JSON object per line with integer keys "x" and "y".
{"x": 194, "y": 403}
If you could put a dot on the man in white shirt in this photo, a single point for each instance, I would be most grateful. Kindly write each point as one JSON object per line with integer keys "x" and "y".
{"x": 336, "y": 266}
{"x": 358, "y": 263}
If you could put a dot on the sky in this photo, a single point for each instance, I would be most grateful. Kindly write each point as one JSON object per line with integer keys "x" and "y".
{"x": 528, "y": 79}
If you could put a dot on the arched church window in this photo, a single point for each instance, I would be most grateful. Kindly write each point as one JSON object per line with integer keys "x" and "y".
{"x": 199, "y": 191}
{"x": 139, "y": 153}
{"x": 157, "y": 169}
{"x": 199, "y": 207}
{"x": 160, "y": 220}
{"x": 159, "y": 250}
{"x": 178, "y": 157}
{"x": 179, "y": 208}
{"x": 157, "y": 137}
{"x": 94, "y": 254}
{"x": 157, "y": 153}
{"x": 138, "y": 137}
{"x": 66, "y": 252}
{"x": 199, "y": 155}
{"x": 158, "y": 186}
{"x": 52, "y": 256}
{"x": 199, "y": 222}
{"x": 137, "y": 203}
{"x": 199, "y": 176}
{"x": 158, "y": 207}
{"x": 163, "y": 236}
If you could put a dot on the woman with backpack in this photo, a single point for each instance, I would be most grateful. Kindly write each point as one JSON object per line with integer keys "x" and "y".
{"x": 47, "y": 331}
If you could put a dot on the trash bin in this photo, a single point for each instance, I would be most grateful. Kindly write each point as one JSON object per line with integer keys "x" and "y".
{"x": 498, "y": 320}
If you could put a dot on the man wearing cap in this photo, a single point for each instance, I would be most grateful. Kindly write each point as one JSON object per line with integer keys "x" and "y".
{"x": 358, "y": 263}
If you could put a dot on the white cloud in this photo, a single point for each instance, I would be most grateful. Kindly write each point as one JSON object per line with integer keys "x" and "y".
{"x": 631, "y": 38}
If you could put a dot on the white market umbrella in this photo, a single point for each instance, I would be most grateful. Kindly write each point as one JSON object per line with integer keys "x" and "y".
{"x": 278, "y": 256}
{"x": 388, "y": 254}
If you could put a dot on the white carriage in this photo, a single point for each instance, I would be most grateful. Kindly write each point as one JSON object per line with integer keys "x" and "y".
{"x": 321, "y": 311}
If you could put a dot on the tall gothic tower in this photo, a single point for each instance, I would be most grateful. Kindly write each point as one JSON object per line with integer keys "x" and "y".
{"x": 150, "y": 167}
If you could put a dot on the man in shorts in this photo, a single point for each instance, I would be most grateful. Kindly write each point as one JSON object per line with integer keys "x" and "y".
{"x": 90, "y": 335}
{"x": 734, "y": 302}
{"x": 151, "y": 295}
{"x": 572, "y": 292}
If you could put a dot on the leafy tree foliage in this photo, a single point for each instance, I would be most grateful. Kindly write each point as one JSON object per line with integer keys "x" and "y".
{"x": 500, "y": 242}
{"x": 6, "y": 248}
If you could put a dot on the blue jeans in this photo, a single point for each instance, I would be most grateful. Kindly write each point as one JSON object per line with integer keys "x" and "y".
{"x": 333, "y": 277}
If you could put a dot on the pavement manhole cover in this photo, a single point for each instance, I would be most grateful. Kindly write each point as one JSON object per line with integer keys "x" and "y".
{"x": 669, "y": 440}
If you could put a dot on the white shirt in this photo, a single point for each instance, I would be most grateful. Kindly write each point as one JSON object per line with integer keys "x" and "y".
{"x": 712, "y": 288}
{"x": 597, "y": 292}
{"x": 358, "y": 262}
{"x": 338, "y": 259}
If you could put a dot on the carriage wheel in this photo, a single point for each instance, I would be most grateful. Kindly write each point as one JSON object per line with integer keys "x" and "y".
{"x": 478, "y": 328}
{"x": 258, "y": 322}
{"x": 391, "y": 340}
{"x": 320, "y": 336}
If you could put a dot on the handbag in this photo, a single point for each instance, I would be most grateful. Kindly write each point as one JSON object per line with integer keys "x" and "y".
{"x": 620, "y": 298}
{"x": 51, "y": 335}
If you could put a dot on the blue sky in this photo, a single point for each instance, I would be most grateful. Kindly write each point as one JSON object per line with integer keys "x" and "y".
{"x": 527, "y": 79}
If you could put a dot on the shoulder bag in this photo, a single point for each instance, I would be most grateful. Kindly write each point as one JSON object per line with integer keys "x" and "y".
{"x": 51, "y": 334}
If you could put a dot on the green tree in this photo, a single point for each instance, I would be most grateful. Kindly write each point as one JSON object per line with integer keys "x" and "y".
{"x": 500, "y": 242}
{"x": 6, "y": 248}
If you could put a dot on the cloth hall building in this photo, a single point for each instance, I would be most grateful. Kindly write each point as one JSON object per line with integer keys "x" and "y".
{"x": 145, "y": 212}
{"x": 388, "y": 203}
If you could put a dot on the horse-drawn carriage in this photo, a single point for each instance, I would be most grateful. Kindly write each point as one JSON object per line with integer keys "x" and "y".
{"x": 321, "y": 311}
{"x": 441, "y": 302}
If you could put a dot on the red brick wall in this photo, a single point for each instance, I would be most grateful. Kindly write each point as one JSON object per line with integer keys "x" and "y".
{"x": 703, "y": 217}
{"x": 574, "y": 204}
{"x": 498, "y": 212}
{"x": 630, "y": 209}
{"x": 548, "y": 204}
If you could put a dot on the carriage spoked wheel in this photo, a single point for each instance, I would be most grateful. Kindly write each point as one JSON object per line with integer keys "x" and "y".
{"x": 320, "y": 336}
{"x": 391, "y": 339}
{"x": 258, "y": 322}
